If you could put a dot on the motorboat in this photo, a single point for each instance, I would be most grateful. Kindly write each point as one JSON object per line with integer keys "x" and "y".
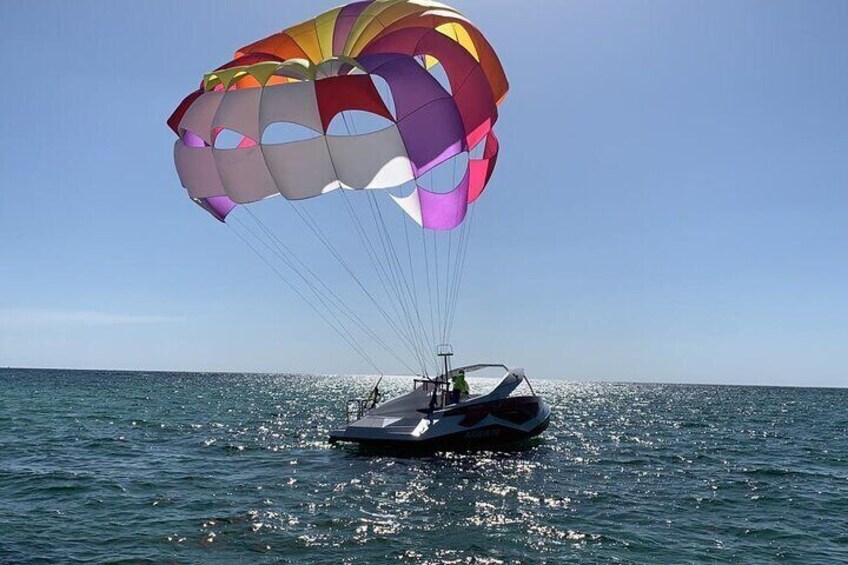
{"x": 432, "y": 417}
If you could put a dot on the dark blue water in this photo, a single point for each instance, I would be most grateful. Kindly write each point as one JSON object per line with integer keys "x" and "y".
{"x": 136, "y": 467}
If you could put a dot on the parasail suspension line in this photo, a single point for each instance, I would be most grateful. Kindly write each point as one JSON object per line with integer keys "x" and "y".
{"x": 337, "y": 301}
{"x": 348, "y": 339}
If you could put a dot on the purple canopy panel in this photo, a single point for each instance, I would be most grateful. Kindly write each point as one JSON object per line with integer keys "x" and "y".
{"x": 432, "y": 135}
{"x": 411, "y": 85}
{"x": 192, "y": 139}
{"x": 444, "y": 211}
{"x": 428, "y": 118}
{"x": 344, "y": 23}
{"x": 218, "y": 206}
{"x": 471, "y": 89}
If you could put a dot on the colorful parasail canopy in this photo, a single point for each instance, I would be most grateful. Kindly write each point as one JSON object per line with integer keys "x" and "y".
{"x": 309, "y": 74}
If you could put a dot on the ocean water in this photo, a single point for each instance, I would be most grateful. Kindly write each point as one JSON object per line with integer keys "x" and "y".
{"x": 211, "y": 468}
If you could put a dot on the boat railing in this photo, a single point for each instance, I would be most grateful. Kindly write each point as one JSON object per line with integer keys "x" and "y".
{"x": 425, "y": 384}
{"x": 441, "y": 388}
{"x": 355, "y": 409}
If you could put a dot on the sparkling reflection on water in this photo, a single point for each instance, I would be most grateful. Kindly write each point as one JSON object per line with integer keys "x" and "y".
{"x": 176, "y": 467}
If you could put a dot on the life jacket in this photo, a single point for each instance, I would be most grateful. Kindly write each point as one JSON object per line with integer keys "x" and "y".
{"x": 459, "y": 384}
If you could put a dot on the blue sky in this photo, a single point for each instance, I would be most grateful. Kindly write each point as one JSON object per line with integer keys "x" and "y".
{"x": 669, "y": 205}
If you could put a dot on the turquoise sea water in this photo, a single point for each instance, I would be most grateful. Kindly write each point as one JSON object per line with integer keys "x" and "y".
{"x": 189, "y": 468}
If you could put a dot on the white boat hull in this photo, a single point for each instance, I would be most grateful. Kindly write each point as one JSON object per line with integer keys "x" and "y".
{"x": 413, "y": 421}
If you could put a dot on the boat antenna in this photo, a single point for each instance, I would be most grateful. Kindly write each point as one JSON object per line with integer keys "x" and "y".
{"x": 445, "y": 351}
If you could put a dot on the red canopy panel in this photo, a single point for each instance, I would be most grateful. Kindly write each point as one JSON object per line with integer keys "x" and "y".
{"x": 351, "y": 92}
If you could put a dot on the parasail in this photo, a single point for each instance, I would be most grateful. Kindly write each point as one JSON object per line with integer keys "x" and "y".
{"x": 280, "y": 119}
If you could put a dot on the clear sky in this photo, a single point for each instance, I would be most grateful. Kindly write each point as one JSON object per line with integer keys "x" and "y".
{"x": 669, "y": 205}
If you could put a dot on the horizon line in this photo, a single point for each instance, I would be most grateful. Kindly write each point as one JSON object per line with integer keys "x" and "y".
{"x": 403, "y": 375}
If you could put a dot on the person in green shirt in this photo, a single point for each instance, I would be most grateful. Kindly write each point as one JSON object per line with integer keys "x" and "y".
{"x": 460, "y": 386}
